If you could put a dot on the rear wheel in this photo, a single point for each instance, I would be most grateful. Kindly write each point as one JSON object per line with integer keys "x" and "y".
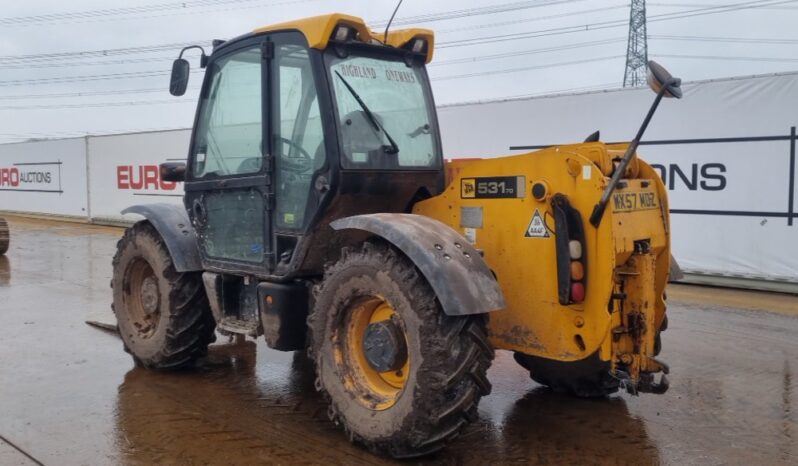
{"x": 588, "y": 378}
{"x": 5, "y": 236}
{"x": 401, "y": 376}
{"x": 163, "y": 315}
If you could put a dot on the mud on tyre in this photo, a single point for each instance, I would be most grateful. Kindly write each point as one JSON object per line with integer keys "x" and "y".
{"x": 163, "y": 315}
{"x": 400, "y": 375}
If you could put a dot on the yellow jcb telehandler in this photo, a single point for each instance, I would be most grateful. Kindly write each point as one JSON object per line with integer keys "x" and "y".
{"x": 319, "y": 213}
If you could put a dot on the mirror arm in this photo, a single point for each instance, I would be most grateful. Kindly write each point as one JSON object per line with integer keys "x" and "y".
{"x": 203, "y": 57}
{"x": 598, "y": 210}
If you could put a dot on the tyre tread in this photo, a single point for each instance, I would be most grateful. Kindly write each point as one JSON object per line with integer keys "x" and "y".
{"x": 190, "y": 326}
{"x": 461, "y": 357}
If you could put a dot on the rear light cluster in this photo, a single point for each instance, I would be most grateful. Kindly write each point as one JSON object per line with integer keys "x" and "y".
{"x": 571, "y": 255}
{"x": 577, "y": 271}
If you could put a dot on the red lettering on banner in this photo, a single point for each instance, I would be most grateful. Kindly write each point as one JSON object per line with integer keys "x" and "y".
{"x": 9, "y": 177}
{"x": 150, "y": 176}
{"x": 136, "y": 184}
{"x": 142, "y": 177}
{"x": 123, "y": 177}
{"x": 167, "y": 185}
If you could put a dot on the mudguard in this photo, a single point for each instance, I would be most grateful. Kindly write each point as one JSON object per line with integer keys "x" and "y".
{"x": 175, "y": 228}
{"x": 462, "y": 281}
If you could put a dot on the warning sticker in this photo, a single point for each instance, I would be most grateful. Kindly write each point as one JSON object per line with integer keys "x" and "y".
{"x": 537, "y": 227}
{"x": 470, "y": 235}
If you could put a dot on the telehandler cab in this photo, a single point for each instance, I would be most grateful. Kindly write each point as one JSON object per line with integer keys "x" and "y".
{"x": 319, "y": 213}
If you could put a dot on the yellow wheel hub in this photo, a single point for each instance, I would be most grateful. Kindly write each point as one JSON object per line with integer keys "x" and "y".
{"x": 373, "y": 323}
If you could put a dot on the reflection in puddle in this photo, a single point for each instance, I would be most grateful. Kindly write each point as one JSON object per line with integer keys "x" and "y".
{"x": 554, "y": 427}
{"x": 234, "y": 409}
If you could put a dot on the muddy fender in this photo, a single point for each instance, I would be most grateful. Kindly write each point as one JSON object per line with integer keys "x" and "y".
{"x": 462, "y": 281}
{"x": 175, "y": 228}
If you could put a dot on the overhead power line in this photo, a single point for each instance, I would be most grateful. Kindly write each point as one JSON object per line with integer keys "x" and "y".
{"x": 57, "y": 95}
{"x": 693, "y": 5}
{"x": 47, "y": 57}
{"x": 732, "y": 58}
{"x": 654, "y": 37}
{"x": 480, "y": 11}
{"x": 97, "y": 104}
{"x": 744, "y": 40}
{"x": 174, "y": 7}
{"x": 473, "y": 27}
{"x": 527, "y": 52}
{"x": 154, "y": 102}
{"x": 93, "y": 77}
{"x": 77, "y": 55}
{"x": 68, "y": 64}
{"x": 525, "y": 68}
{"x": 160, "y": 47}
{"x": 611, "y": 23}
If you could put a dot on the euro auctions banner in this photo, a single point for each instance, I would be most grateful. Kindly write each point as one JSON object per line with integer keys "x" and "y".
{"x": 44, "y": 177}
{"x": 726, "y": 152}
{"x": 124, "y": 171}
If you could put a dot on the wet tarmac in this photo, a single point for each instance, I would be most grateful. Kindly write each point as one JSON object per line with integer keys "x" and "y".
{"x": 70, "y": 395}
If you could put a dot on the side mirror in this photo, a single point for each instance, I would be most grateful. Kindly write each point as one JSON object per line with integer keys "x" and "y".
{"x": 173, "y": 171}
{"x": 658, "y": 78}
{"x": 179, "y": 81}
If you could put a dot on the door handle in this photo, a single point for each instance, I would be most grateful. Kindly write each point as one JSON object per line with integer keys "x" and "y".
{"x": 200, "y": 214}
{"x": 322, "y": 185}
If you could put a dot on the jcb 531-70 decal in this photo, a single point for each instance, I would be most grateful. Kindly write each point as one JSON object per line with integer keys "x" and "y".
{"x": 492, "y": 187}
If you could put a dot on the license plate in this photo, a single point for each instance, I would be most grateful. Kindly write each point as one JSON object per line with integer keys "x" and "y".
{"x": 641, "y": 200}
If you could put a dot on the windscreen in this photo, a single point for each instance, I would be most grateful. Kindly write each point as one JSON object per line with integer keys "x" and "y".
{"x": 384, "y": 111}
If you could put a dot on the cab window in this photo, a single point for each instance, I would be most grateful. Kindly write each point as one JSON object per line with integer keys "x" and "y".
{"x": 228, "y": 139}
{"x": 384, "y": 111}
{"x": 298, "y": 139}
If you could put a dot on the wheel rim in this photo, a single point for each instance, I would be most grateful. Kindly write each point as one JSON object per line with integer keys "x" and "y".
{"x": 143, "y": 298}
{"x": 373, "y": 388}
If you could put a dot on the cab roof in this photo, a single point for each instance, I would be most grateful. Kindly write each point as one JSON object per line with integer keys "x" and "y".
{"x": 318, "y": 30}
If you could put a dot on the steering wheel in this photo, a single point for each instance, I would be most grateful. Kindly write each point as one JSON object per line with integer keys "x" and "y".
{"x": 299, "y": 164}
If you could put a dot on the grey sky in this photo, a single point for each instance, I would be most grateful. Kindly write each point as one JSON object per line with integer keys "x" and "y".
{"x": 599, "y": 64}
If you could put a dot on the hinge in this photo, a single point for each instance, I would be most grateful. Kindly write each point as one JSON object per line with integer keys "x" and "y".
{"x": 269, "y": 163}
{"x": 267, "y": 50}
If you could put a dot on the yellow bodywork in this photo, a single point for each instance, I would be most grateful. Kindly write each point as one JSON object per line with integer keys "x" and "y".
{"x": 534, "y": 322}
{"x": 626, "y": 257}
{"x": 318, "y": 30}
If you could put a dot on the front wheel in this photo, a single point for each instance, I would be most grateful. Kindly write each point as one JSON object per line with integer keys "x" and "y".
{"x": 401, "y": 376}
{"x": 163, "y": 315}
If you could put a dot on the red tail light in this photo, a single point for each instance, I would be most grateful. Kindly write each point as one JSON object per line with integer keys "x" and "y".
{"x": 571, "y": 254}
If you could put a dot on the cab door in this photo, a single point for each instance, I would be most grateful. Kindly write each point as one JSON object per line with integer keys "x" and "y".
{"x": 229, "y": 178}
{"x": 301, "y": 173}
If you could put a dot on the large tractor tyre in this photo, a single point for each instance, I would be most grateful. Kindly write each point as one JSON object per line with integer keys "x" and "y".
{"x": 588, "y": 378}
{"x": 400, "y": 375}
{"x": 163, "y": 315}
{"x": 5, "y": 236}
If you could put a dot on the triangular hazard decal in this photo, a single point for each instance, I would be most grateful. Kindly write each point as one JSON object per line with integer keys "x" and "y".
{"x": 537, "y": 228}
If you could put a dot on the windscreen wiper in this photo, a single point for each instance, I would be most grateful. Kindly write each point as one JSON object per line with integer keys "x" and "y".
{"x": 394, "y": 149}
